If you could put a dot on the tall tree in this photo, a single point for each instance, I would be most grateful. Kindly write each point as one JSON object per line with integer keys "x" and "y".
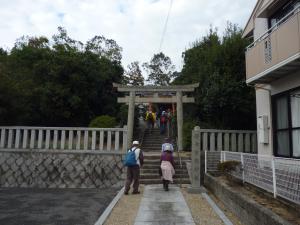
{"x": 133, "y": 75}
{"x": 223, "y": 99}
{"x": 105, "y": 47}
{"x": 56, "y": 83}
{"x": 160, "y": 69}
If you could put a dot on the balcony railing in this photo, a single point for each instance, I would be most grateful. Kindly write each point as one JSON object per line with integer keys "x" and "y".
{"x": 269, "y": 55}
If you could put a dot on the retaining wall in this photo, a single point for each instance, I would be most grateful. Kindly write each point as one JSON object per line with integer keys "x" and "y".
{"x": 246, "y": 209}
{"x": 60, "y": 169}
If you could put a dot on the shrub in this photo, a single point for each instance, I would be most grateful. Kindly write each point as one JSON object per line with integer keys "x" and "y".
{"x": 228, "y": 166}
{"x": 103, "y": 121}
{"x": 187, "y": 129}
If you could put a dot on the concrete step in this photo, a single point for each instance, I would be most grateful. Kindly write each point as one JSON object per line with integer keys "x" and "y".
{"x": 159, "y": 181}
{"x": 154, "y": 138}
{"x": 157, "y": 176}
{"x": 157, "y": 160}
{"x": 152, "y": 171}
{"x": 177, "y": 167}
{"x": 157, "y": 157}
{"x": 177, "y": 164}
{"x": 152, "y": 143}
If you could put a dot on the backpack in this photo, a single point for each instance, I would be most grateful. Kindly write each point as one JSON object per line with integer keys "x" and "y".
{"x": 150, "y": 116}
{"x": 130, "y": 159}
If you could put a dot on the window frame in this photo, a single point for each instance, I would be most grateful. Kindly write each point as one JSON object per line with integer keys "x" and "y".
{"x": 286, "y": 94}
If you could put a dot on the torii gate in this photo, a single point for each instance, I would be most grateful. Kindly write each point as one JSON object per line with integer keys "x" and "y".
{"x": 156, "y": 94}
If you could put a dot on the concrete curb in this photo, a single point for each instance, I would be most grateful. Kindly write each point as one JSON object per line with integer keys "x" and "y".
{"x": 220, "y": 213}
{"x": 109, "y": 208}
{"x": 245, "y": 208}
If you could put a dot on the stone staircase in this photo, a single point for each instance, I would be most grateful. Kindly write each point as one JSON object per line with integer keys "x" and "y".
{"x": 151, "y": 147}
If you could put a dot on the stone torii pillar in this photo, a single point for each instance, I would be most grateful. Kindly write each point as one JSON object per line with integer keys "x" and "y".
{"x": 179, "y": 119}
{"x": 130, "y": 118}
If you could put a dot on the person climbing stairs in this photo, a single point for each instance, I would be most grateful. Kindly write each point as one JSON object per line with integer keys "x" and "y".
{"x": 151, "y": 146}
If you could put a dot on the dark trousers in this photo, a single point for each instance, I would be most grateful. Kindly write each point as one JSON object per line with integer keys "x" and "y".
{"x": 133, "y": 175}
{"x": 166, "y": 184}
{"x": 162, "y": 128}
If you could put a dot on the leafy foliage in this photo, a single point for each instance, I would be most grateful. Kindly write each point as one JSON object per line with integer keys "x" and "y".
{"x": 160, "y": 69}
{"x": 188, "y": 126}
{"x": 223, "y": 99}
{"x": 103, "y": 121}
{"x": 57, "y": 83}
{"x": 228, "y": 166}
{"x": 133, "y": 75}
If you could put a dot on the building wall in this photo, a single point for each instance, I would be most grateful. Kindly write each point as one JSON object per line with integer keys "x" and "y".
{"x": 260, "y": 27}
{"x": 264, "y": 107}
{"x": 288, "y": 82}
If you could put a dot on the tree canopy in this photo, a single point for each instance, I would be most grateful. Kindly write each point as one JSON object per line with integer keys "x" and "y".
{"x": 133, "y": 75}
{"x": 59, "y": 82}
{"x": 223, "y": 99}
{"x": 64, "y": 82}
{"x": 160, "y": 69}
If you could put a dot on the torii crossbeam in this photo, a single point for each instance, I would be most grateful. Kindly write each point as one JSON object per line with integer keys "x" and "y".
{"x": 156, "y": 94}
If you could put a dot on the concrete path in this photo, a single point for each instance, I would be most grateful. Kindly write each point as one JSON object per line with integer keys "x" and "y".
{"x": 31, "y": 206}
{"x": 159, "y": 207}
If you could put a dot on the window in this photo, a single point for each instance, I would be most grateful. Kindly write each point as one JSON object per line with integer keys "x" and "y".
{"x": 282, "y": 12}
{"x": 286, "y": 114}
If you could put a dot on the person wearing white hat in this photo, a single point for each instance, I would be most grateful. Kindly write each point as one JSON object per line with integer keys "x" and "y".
{"x": 167, "y": 146}
{"x": 167, "y": 165}
{"x": 133, "y": 170}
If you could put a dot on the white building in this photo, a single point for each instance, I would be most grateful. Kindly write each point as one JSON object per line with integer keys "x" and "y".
{"x": 273, "y": 68}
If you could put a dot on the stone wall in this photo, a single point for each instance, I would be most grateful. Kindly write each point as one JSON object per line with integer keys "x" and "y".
{"x": 60, "y": 169}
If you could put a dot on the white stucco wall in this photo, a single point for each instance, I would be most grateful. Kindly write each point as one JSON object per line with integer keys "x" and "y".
{"x": 260, "y": 27}
{"x": 286, "y": 83}
{"x": 264, "y": 107}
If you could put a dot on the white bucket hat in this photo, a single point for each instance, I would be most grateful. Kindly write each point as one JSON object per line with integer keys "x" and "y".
{"x": 167, "y": 147}
{"x": 135, "y": 143}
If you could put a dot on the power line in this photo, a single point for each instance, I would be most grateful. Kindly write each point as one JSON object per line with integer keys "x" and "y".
{"x": 165, "y": 27}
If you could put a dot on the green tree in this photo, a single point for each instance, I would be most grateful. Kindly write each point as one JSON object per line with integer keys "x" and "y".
{"x": 160, "y": 69}
{"x": 223, "y": 99}
{"x": 56, "y": 83}
{"x": 105, "y": 47}
{"x": 133, "y": 75}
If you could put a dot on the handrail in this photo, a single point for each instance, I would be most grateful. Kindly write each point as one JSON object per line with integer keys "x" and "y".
{"x": 273, "y": 28}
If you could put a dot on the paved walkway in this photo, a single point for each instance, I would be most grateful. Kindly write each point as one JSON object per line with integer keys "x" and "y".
{"x": 159, "y": 207}
{"x": 29, "y": 206}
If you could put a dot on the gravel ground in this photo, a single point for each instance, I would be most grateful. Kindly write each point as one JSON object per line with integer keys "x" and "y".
{"x": 31, "y": 206}
{"x": 201, "y": 211}
{"x": 227, "y": 212}
{"x": 125, "y": 210}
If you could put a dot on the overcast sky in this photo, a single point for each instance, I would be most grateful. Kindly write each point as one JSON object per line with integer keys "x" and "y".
{"x": 136, "y": 25}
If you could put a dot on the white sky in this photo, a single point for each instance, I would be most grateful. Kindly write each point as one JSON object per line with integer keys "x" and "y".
{"x": 136, "y": 25}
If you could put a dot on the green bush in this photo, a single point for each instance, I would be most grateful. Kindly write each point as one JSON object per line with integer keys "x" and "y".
{"x": 188, "y": 126}
{"x": 228, "y": 166}
{"x": 104, "y": 121}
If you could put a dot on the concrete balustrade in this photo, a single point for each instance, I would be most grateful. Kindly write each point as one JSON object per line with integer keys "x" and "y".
{"x": 63, "y": 138}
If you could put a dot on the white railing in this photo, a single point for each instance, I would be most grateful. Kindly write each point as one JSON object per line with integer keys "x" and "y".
{"x": 63, "y": 138}
{"x": 280, "y": 176}
{"x": 273, "y": 28}
{"x": 228, "y": 140}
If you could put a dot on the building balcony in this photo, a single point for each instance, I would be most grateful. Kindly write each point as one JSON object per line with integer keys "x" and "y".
{"x": 276, "y": 53}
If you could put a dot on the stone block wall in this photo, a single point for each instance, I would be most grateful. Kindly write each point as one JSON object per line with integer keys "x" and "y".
{"x": 60, "y": 169}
